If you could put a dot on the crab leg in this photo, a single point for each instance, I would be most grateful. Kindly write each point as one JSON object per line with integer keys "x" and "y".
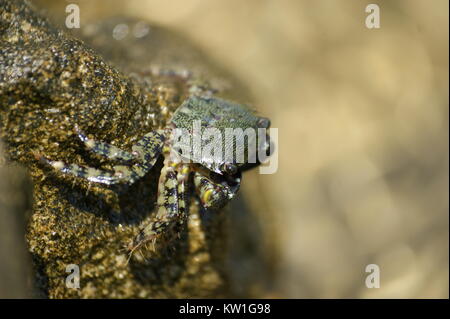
{"x": 119, "y": 174}
{"x": 171, "y": 203}
{"x": 105, "y": 149}
{"x": 183, "y": 179}
{"x": 145, "y": 152}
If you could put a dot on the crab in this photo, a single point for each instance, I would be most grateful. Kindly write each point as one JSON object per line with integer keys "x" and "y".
{"x": 216, "y": 179}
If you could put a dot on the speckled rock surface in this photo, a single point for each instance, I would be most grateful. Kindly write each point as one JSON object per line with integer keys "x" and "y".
{"x": 50, "y": 81}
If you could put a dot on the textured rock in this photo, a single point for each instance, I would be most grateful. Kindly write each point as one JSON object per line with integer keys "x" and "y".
{"x": 50, "y": 81}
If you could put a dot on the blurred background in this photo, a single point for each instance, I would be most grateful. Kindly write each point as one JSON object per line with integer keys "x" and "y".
{"x": 363, "y": 134}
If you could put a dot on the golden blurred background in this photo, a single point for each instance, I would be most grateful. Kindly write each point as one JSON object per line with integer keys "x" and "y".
{"x": 363, "y": 133}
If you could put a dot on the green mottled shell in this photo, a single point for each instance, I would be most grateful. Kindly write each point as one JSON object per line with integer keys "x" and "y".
{"x": 219, "y": 114}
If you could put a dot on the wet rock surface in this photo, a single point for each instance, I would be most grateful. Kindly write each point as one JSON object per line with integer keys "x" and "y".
{"x": 49, "y": 82}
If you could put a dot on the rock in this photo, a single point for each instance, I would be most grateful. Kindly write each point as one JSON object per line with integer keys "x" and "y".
{"x": 51, "y": 81}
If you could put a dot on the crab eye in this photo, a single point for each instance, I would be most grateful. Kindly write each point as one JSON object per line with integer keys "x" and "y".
{"x": 263, "y": 122}
{"x": 229, "y": 168}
